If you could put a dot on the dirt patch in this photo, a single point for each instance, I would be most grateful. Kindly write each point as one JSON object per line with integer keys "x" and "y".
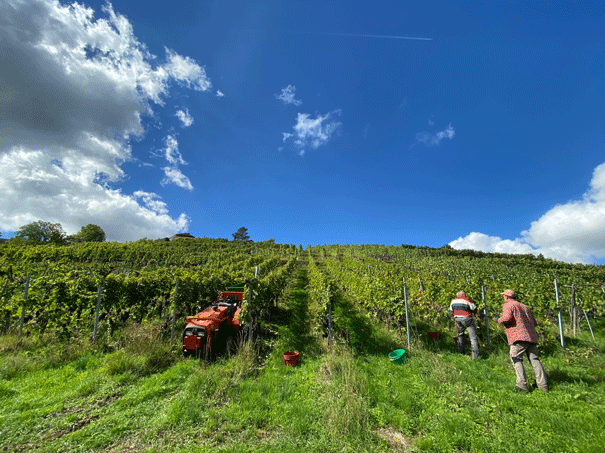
{"x": 396, "y": 440}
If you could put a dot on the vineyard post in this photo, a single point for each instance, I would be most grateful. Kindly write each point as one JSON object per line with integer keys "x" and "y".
{"x": 4, "y": 287}
{"x": 588, "y": 321}
{"x": 573, "y": 310}
{"x": 176, "y": 293}
{"x": 489, "y": 345}
{"x": 99, "y": 291}
{"x": 560, "y": 318}
{"x": 23, "y": 308}
{"x": 329, "y": 317}
{"x": 407, "y": 318}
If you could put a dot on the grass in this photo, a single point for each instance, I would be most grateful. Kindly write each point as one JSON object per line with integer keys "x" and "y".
{"x": 135, "y": 393}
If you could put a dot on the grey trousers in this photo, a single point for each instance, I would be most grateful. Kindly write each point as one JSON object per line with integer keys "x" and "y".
{"x": 463, "y": 324}
{"x": 516, "y": 355}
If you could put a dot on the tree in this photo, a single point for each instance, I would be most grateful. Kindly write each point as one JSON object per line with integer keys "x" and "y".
{"x": 40, "y": 232}
{"x": 91, "y": 233}
{"x": 241, "y": 235}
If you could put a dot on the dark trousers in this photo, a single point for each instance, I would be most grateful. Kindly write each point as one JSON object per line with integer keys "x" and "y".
{"x": 463, "y": 324}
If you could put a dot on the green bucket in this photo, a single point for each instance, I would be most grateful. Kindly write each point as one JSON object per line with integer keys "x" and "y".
{"x": 397, "y": 356}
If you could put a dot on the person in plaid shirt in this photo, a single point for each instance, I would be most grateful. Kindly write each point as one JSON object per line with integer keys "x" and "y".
{"x": 520, "y": 326}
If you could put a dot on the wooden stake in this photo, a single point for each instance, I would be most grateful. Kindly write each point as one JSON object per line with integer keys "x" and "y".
{"x": 99, "y": 291}
{"x": 560, "y": 318}
{"x": 23, "y": 308}
{"x": 176, "y": 294}
{"x": 407, "y": 317}
{"x": 489, "y": 345}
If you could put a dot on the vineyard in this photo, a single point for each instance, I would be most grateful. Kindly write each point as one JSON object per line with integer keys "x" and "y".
{"x": 57, "y": 289}
{"x": 91, "y": 357}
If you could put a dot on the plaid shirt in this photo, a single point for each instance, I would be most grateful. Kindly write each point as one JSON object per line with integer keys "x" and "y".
{"x": 519, "y": 322}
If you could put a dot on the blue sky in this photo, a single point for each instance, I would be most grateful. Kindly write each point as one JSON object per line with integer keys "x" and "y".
{"x": 475, "y": 124}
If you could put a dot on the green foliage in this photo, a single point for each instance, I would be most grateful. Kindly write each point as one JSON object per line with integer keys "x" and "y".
{"x": 374, "y": 276}
{"x": 40, "y": 232}
{"x": 134, "y": 392}
{"x": 137, "y": 281}
{"x": 90, "y": 233}
{"x": 241, "y": 235}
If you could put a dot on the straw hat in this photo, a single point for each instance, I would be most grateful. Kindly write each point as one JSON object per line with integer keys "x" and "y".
{"x": 509, "y": 292}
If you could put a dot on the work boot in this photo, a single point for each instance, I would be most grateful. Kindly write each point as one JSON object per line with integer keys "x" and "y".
{"x": 521, "y": 389}
{"x": 535, "y": 386}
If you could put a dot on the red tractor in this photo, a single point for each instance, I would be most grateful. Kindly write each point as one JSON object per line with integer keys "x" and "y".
{"x": 215, "y": 327}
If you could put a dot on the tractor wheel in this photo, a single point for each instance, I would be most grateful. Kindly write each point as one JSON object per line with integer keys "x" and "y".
{"x": 207, "y": 353}
{"x": 231, "y": 345}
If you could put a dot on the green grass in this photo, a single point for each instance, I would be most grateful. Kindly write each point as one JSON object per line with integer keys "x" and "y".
{"x": 134, "y": 392}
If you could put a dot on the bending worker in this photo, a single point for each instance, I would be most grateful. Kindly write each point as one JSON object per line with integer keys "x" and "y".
{"x": 463, "y": 310}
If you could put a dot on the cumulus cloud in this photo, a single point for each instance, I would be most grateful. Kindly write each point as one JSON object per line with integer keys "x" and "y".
{"x": 571, "y": 232}
{"x": 492, "y": 244}
{"x": 434, "y": 138}
{"x": 313, "y": 132}
{"x": 152, "y": 201}
{"x": 287, "y": 96}
{"x": 74, "y": 91}
{"x": 37, "y": 188}
{"x": 219, "y": 94}
{"x": 185, "y": 118}
{"x": 173, "y": 174}
{"x": 186, "y": 71}
{"x": 171, "y": 151}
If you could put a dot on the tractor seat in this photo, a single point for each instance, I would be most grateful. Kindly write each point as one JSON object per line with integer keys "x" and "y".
{"x": 225, "y": 303}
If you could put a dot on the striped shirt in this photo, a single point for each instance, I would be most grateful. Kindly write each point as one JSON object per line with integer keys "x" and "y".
{"x": 519, "y": 322}
{"x": 462, "y": 307}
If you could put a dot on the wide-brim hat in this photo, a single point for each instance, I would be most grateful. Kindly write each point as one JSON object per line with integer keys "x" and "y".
{"x": 509, "y": 293}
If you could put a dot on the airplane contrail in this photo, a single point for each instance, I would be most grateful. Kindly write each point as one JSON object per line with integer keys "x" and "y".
{"x": 414, "y": 38}
{"x": 354, "y": 35}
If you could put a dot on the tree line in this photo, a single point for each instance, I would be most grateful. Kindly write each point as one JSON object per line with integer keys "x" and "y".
{"x": 40, "y": 232}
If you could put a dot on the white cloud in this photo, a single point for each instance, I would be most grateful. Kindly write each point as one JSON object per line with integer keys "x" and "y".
{"x": 187, "y": 71}
{"x": 185, "y": 117}
{"x": 572, "y": 232}
{"x": 219, "y": 94}
{"x": 313, "y": 132}
{"x": 152, "y": 201}
{"x": 287, "y": 96}
{"x": 492, "y": 244}
{"x": 175, "y": 176}
{"x": 174, "y": 158}
{"x": 171, "y": 152}
{"x": 36, "y": 188}
{"x": 434, "y": 138}
{"x": 74, "y": 91}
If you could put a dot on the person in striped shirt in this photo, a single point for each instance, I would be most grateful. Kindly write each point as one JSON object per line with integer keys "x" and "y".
{"x": 463, "y": 310}
{"x": 522, "y": 337}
